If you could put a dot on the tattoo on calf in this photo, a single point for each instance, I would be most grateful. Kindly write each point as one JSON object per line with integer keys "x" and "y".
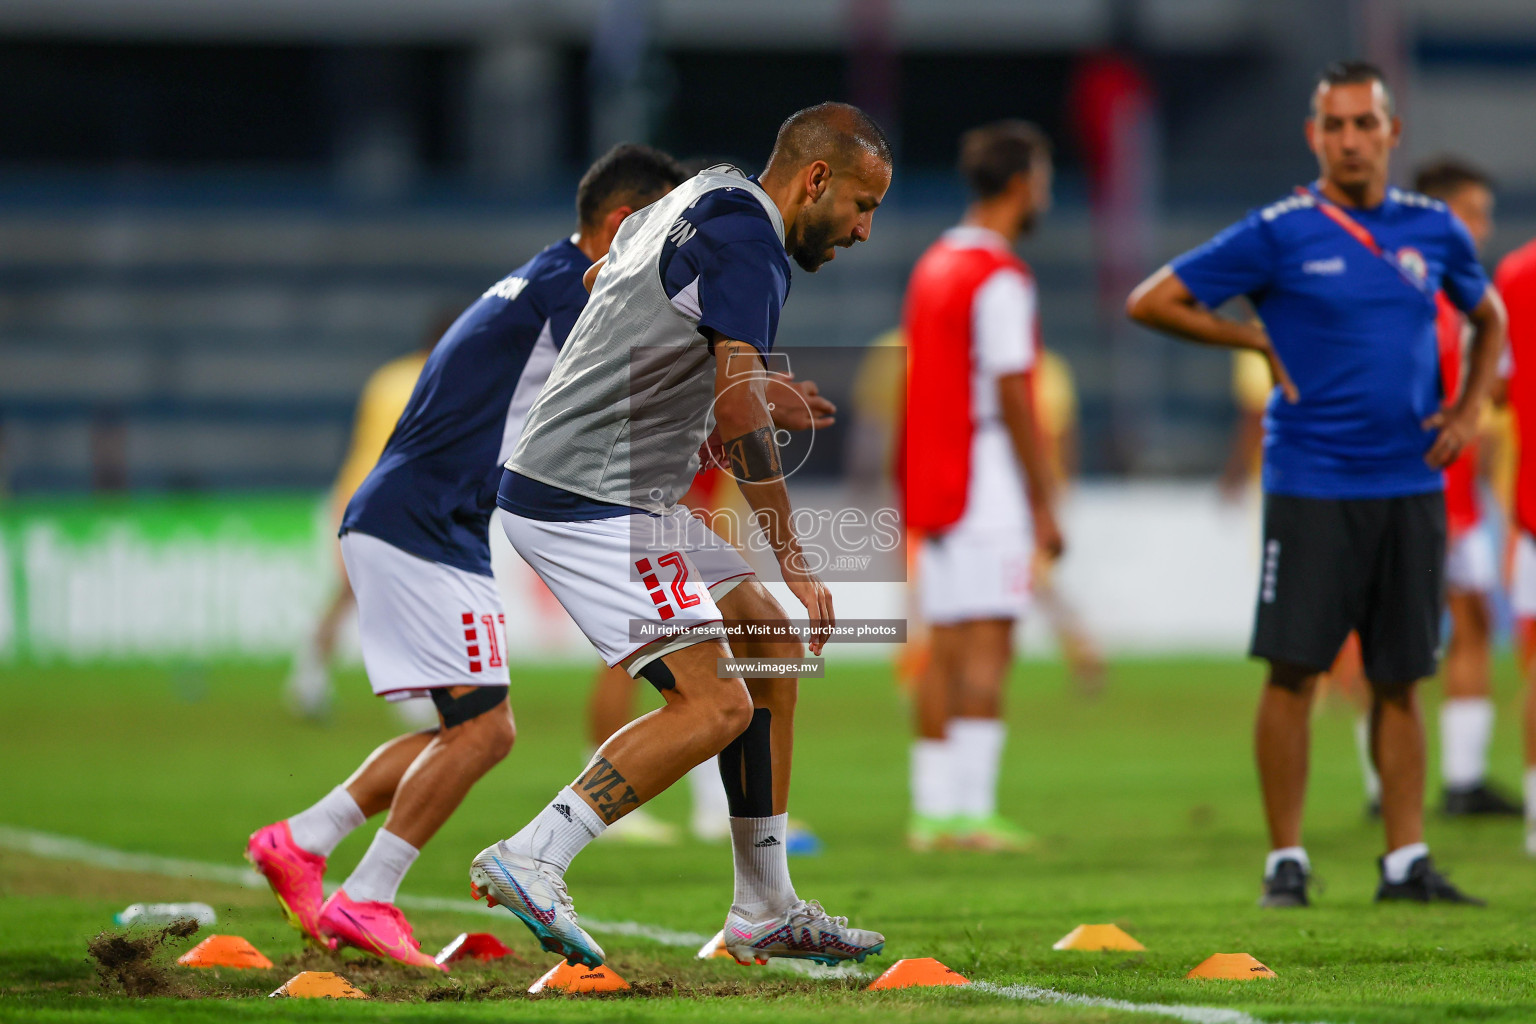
{"x": 607, "y": 789}
{"x": 754, "y": 456}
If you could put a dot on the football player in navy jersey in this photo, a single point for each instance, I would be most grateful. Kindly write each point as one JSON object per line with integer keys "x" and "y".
{"x": 415, "y": 539}
{"x": 1344, "y": 275}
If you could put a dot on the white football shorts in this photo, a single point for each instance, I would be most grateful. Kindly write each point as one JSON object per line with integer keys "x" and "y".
{"x": 639, "y": 586}
{"x": 1522, "y": 588}
{"x": 1472, "y": 564}
{"x": 423, "y": 624}
{"x": 980, "y": 567}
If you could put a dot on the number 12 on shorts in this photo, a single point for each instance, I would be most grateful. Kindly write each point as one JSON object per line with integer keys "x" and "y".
{"x": 678, "y": 586}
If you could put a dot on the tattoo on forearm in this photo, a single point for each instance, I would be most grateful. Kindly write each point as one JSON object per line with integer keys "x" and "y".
{"x": 754, "y": 456}
{"x": 607, "y": 789}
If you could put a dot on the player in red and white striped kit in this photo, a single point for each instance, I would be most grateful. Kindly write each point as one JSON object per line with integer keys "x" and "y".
{"x": 1471, "y": 563}
{"x": 976, "y": 481}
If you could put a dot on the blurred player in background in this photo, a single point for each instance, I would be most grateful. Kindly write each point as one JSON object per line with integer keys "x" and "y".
{"x": 1056, "y": 408}
{"x": 308, "y": 690}
{"x": 416, "y": 542}
{"x": 1516, "y": 278}
{"x": 976, "y": 481}
{"x": 1472, "y": 562}
{"x": 1344, "y": 275}
{"x": 683, "y": 316}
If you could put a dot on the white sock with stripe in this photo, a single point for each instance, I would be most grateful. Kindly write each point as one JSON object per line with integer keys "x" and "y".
{"x": 760, "y": 853}
{"x": 377, "y": 877}
{"x": 321, "y": 828}
{"x": 560, "y": 831}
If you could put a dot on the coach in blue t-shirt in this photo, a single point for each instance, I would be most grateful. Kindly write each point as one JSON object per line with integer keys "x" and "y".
{"x": 1344, "y": 275}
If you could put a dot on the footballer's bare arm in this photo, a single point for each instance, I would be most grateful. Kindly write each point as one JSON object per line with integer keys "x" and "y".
{"x": 746, "y": 428}
{"x": 1016, "y": 403}
{"x": 1164, "y": 303}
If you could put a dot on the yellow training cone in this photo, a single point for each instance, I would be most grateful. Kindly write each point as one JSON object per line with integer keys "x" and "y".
{"x": 318, "y": 985}
{"x": 1098, "y": 938}
{"x": 1239, "y": 966}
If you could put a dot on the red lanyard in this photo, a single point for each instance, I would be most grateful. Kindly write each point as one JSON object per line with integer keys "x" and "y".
{"x": 1358, "y": 232}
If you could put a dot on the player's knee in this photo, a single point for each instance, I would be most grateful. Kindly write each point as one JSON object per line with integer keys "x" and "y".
{"x": 498, "y": 734}
{"x": 1396, "y": 693}
{"x": 1292, "y": 678}
{"x": 733, "y": 713}
{"x": 480, "y": 719}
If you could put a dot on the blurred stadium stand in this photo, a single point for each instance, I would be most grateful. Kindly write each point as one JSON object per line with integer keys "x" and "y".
{"x": 217, "y": 219}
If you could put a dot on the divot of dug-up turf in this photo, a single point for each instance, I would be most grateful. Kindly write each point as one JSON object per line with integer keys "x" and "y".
{"x": 134, "y": 961}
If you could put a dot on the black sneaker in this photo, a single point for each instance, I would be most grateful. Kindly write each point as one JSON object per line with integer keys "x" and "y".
{"x": 1423, "y": 885}
{"x": 1482, "y": 800}
{"x": 1287, "y": 887}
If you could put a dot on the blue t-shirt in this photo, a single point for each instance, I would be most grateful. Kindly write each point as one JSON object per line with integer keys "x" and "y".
{"x": 434, "y": 487}
{"x": 726, "y": 266}
{"x": 1355, "y": 330}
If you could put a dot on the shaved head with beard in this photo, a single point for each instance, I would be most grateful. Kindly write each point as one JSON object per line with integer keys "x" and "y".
{"x": 857, "y": 157}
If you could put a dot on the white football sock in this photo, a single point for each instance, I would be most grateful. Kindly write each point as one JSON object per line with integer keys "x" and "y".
{"x": 1530, "y": 796}
{"x": 760, "y": 851}
{"x": 933, "y": 793}
{"x": 1395, "y": 865}
{"x": 975, "y": 751}
{"x": 1466, "y": 726}
{"x": 321, "y": 828}
{"x": 711, "y": 817}
{"x": 558, "y": 832}
{"x": 1367, "y": 764}
{"x": 378, "y": 875}
{"x": 1297, "y": 853}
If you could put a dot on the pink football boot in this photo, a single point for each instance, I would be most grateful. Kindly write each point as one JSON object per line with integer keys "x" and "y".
{"x": 295, "y": 876}
{"x": 377, "y": 928}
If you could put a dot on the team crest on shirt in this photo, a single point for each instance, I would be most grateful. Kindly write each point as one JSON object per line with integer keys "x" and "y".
{"x": 1413, "y": 264}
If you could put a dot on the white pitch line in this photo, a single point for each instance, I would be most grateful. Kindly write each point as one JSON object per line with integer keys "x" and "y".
{"x": 56, "y": 847}
{"x": 1191, "y": 1014}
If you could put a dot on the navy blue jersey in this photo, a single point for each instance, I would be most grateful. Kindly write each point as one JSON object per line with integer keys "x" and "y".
{"x": 434, "y": 487}
{"x": 722, "y": 263}
{"x": 1356, "y": 331}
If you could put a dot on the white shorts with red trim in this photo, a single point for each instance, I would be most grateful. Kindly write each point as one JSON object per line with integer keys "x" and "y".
{"x": 1522, "y": 587}
{"x": 638, "y": 586}
{"x": 423, "y": 624}
{"x": 1472, "y": 563}
{"x": 968, "y": 575}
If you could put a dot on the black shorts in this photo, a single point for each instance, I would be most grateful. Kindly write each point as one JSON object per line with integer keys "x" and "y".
{"x": 1373, "y": 565}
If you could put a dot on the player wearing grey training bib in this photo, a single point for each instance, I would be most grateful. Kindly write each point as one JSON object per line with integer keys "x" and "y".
{"x": 673, "y": 343}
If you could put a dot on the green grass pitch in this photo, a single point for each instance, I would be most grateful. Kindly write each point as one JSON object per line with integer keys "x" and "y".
{"x": 1144, "y": 800}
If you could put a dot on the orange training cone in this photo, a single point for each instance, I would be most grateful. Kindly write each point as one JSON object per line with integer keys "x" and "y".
{"x": 223, "y": 951}
{"x": 1098, "y": 938}
{"x": 919, "y": 972}
{"x": 572, "y": 978}
{"x": 1230, "y": 965}
{"x": 318, "y": 985}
